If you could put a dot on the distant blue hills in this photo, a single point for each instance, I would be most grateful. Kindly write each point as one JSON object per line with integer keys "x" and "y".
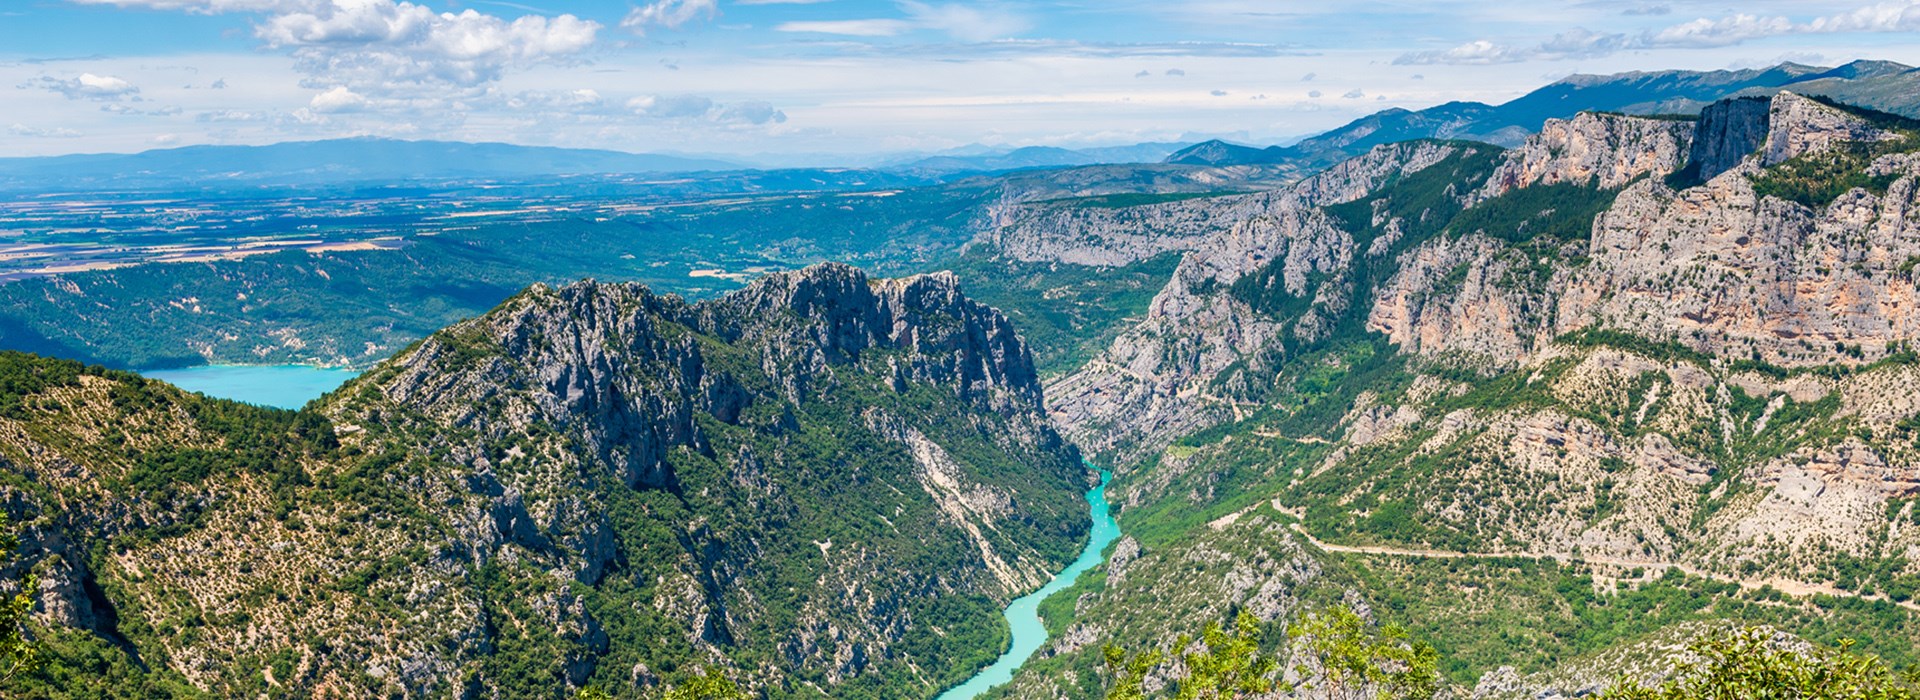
{"x": 332, "y": 161}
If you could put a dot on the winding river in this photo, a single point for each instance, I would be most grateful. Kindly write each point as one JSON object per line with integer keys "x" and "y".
{"x": 1023, "y": 615}
{"x": 292, "y": 386}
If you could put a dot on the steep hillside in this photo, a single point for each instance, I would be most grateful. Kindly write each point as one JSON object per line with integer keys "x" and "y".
{"x": 821, "y": 484}
{"x": 1534, "y": 404}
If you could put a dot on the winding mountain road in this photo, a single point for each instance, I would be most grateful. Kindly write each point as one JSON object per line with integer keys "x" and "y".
{"x": 1787, "y": 586}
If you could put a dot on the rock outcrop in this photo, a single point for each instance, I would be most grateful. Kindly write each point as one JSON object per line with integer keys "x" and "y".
{"x": 1153, "y": 383}
{"x": 1600, "y": 150}
{"x": 806, "y": 482}
{"x": 1718, "y": 267}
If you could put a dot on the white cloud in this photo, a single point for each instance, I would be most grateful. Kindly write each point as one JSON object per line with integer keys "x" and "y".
{"x": 379, "y": 48}
{"x": 119, "y": 108}
{"x": 751, "y": 112}
{"x": 1729, "y": 30}
{"x": 230, "y": 115}
{"x": 697, "y": 107}
{"x": 1884, "y": 17}
{"x": 849, "y": 27}
{"x": 19, "y": 129}
{"x": 1573, "y": 43}
{"x": 670, "y": 14}
{"x": 962, "y": 22}
{"x": 87, "y": 86}
{"x": 1355, "y": 94}
{"x": 1725, "y": 31}
{"x": 338, "y": 100}
{"x": 668, "y": 107}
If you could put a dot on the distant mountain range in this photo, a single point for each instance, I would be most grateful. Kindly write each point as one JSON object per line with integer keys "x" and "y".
{"x": 332, "y": 161}
{"x": 1881, "y": 85}
{"x": 339, "y": 161}
{"x": 1035, "y": 157}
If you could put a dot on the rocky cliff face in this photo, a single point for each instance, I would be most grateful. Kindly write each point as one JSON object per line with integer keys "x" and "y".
{"x": 1720, "y": 267}
{"x": 1154, "y": 383}
{"x": 1600, "y": 150}
{"x": 1729, "y": 131}
{"x": 823, "y": 480}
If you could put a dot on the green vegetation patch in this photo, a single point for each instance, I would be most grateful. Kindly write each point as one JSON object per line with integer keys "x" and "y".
{"x": 1555, "y": 214}
{"x": 1067, "y": 313}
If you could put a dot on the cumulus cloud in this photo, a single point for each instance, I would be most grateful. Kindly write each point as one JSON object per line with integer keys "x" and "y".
{"x": 338, "y": 100}
{"x": 1573, "y": 43}
{"x": 87, "y": 86}
{"x": 19, "y": 129}
{"x": 1721, "y": 32}
{"x": 1355, "y": 94}
{"x": 1647, "y": 10}
{"x": 1175, "y": 72}
{"x": 384, "y": 47}
{"x": 1217, "y": 93}
{"x": 1313, "y": 93}
{"x": 1578, "y": 43}
{"x": 669, "y": 14}
{"x": 1143, "y": 74}
{"x": 379, "y": 46}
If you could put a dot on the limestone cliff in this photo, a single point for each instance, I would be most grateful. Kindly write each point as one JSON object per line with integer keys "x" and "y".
{"x": 1721, "y": 266}
{"x": 821, "y": 481}
{"x": 1155, "y": 382}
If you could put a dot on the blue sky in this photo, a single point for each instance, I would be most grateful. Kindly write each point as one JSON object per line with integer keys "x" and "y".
{"x": 791, "y": 78}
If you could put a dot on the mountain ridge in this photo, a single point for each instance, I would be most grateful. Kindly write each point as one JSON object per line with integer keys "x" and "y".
{"x": 821, "y": 481}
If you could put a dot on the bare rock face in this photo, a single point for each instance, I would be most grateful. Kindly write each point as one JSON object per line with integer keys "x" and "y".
{"x": 1603, "y": 150}
{"x": 1717, "y": 266}
{"x": 1729, "y": 131}
{"x": 1071, "y": 232}
{"x": 1150, "y": 385}
{"x": 1798, "y": 126}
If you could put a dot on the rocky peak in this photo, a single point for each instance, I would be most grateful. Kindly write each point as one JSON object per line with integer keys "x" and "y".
{"x": 1598, "y": 149}
{"x": 833, "y": 313}
{"x": 1779, "y": 128}
{"x": 1798, "y": 126}
{"x": 624, "y": 367}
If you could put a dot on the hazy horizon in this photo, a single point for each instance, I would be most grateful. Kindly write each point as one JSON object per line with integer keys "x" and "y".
{"x": 758, "y": 79}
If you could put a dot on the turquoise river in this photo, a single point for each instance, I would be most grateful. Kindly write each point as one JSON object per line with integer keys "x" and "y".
{"x": 1023, "y": 615}
{"x": 292, "y": 386}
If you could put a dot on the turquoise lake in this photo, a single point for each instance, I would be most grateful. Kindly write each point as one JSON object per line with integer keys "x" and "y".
{"x": 1023, "y": 615}
{"x": 279, "y": 386}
